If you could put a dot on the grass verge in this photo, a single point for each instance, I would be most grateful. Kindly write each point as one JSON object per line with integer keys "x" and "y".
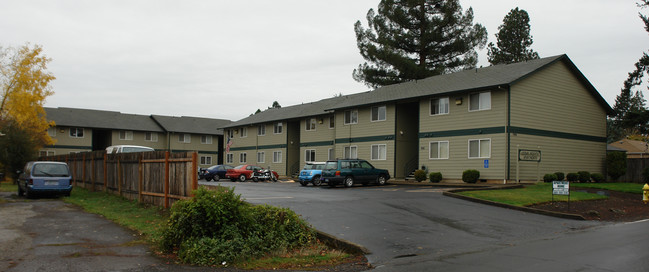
{"x": 532, "y": 194}
{"x": 8, "y": 186}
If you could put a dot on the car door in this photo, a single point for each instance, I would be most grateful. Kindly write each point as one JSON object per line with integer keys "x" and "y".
{"x": 368, "y": 171}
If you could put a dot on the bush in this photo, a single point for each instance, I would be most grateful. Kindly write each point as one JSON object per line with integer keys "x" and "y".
{"x": 560, "y": 175}
{"x": 470, "y": 176}
{"x": 420, "y": 175}
{"x": 572, "y": 177}
{"x": 597, "y": 177}
{"x": 435, "y": 177}
{"x": 616, "y": 164}
{"x": 549, "y": 177}
{"x": 584, "y": 176}
{"x": 215, "y": 227}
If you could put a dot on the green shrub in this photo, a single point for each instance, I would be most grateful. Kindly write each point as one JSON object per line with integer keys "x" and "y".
{"x": 215, "y": 227}
{"x": 645, "y": 175}
{"x": 420, "y": 175}
{"x": 549, "y": 177}
{"x": 597, "y": 177}
{"x": 584, "y": 176}
{"x": 572, "y": 177}
{"x": 470, "y": 176}
{"x": 435, "y": 177}
{"x": 616, "y": 164}
{"x": 560, "y": 175}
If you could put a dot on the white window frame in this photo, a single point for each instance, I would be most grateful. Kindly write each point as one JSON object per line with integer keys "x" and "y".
{"x": 206, "y": 160}
{"x": 187, "y": 138}
{"x": 310, "y": 124}
{"x": 152, "y": 136}
{"x": 278, "y": 128}
{"x": 379, "y": 109}
{"x": 353, "y": 117}
{"x": 309, "y": 155}
{"x": 51, "y": 131}
{"x": 480, "y": 143}
{"x": 439, "y": 102}
{"x": 439, "y": 148}
{"x": 261, "y": 157}
{"x": 481, "y": 97}
{"x": 243, "y": 132}
{"x": 229, "y": 158}
{"x": 206, "y": 139}
{"x": 332, "y": 122}
{"x": 243, "y": 157}
{"x": 45, "y": 153}
{"x": 126, "y": 135}
{"x": 331, "y": 154}
{"x": 261, "y": 130}
{"x": 76, "y": 132}
{"x": 277, "y": 156}
{"x": 230, "y": 133}
{"x": 347, "y": 150}
{"x": 381, "y": 152}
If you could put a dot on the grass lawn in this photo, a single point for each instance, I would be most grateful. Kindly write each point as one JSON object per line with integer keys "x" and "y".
{"x": 8, "y": 186}
{"x": 532, "y": 194}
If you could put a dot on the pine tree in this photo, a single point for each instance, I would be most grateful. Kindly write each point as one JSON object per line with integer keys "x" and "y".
{"x": 513, "y": 40}
{"x": 414, "y": 39}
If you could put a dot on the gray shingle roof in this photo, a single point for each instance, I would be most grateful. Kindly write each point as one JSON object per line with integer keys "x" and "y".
{"x": 195, "y": 125}
{"x": 71, "y": 117}
{"x": 462, "y": 81}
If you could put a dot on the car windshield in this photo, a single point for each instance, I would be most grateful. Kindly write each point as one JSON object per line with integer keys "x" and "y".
{"x": 213, "y": 167}
{"x": 331, "y": 165}
{"x": 319, "y": 166}
{"x": 309, "y": 166}
{"x": 50, "y": 170}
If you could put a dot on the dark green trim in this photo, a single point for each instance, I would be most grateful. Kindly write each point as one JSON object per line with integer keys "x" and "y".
{"x": 69, "y": 146}
{"x": 244, "y": 148}
{"x": 323, "y": 143}
{"x": 555, "y": 134}
{"x": 462, "y": 132}
{"x": 365, "y": 139}
{"x": 276, "y": 146}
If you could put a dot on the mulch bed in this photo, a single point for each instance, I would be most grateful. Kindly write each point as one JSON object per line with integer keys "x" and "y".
{"x": 619, "y": 207}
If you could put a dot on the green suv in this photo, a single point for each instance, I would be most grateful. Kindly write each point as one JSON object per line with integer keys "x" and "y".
{"x": 351, "y": 171}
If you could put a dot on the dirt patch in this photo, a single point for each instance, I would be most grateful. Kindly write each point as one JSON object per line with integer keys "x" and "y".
{"x": 619, "y": 207}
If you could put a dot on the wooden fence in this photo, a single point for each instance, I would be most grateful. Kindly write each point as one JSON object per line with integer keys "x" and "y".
{"x": 634, "y": 169}
{"x": 157, "y": 178}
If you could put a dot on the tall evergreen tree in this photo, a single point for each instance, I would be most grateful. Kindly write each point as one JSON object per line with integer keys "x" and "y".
{"x": 415, "y": 39}
{"x": 513, "y": 40}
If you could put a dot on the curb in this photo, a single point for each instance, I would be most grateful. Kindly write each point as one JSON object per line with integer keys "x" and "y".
{"x": 452, "y": 193}
{"x": 341, "y": 244}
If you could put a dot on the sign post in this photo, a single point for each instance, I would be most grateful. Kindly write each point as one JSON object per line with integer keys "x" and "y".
{"x": 561, "y": 188}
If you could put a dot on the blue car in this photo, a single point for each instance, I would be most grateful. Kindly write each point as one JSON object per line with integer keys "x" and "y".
{"x": 44, "y": 177}
{"x": 311, "y": 173}
{"x": 215, "y": 172}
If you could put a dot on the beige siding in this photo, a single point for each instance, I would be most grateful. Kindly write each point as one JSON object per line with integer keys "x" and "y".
{"x": 364, "y": 151}
{"x": 553, "y": 99}
{"x": 321, "y": 133}
{"x": 69, "y": 143}
{"x": 459, "y": 116}
{"x": 138, "y": 139}
{"x": 365, "y": 127}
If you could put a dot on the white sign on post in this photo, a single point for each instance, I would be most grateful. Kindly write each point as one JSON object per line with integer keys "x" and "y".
{"x": 561, "y": 188}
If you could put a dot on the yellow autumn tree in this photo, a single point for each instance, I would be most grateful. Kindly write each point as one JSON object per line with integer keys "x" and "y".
{"x": 25, "y": 84}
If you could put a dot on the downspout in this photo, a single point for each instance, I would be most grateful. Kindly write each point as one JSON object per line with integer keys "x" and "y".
{"x": 507, "y": 133}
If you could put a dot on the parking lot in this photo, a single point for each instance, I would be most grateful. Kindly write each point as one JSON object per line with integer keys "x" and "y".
{"x": 413, "y": 227}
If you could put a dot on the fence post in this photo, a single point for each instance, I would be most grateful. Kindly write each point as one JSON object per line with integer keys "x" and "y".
{"x": 105, "y": 172}
{"x": 194, "y": 171}
{"x": 166, "y": 180}
{"x": 83, "y": 169}
{"x": 140, "y": 180}
{"x": 119, "y": 177}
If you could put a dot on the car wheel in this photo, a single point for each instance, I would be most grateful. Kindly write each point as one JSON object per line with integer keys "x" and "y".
{"x": 242, "y": 178}
{"x": 316, "y": 181}
{"x": 303, "y": 183}
{"x": 381, "y": 180}
{"x": 349, "y": 181}
{"x": 274, "y": 178}
{"x": 208, "y": 179}
{"x": 255, "y": 179}
{"x": 216, "y": 178}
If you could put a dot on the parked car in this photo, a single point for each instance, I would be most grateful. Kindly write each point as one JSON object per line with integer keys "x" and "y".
{"x": 351, "y": 171}
{"x": 214, "y": 172}
{"x": 113, "y": 149}
{"x": 311, "y": 173}
{"x": 244, "y": 172}
{"x": 44, "y": 177}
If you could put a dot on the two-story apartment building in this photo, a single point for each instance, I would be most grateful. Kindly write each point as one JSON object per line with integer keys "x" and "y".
{"x": 473, "y": 119}
{"x": 79, "y": 130}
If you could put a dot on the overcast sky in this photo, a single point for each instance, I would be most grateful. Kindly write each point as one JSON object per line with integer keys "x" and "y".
{"x": 226, "y": 59}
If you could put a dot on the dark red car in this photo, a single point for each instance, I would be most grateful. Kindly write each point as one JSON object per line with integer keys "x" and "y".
{"x": 245, "y": 172}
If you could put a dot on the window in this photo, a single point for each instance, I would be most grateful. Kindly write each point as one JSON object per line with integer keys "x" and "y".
{"x": 309, "y": 155}
{"x": 206, "y": 159}
{"x": 277, "y": 129}
{"x": 480, "y": 148}
{"x": 151, "y": 137}
{"x": 379, "y": 152}
{"x": 51, "y": 131}
{"x": 45, "y": 153}
{"x": 351, "y": 152}
{"x": 351, "y": 117}
{"x": 206, "y": 139}
{"x": 480, "y": 101}
{"x": 277, "y": 156}
{"x": 261, "y": 157}
{"x": 76, "y": 132}
{"x": 332, "y": 121}
{"x": 261, "y": 130}
{"x": 184, "y": 138}
{"x": 378, "y": 113}
{"x": 243, "y": 158}
{"x": 310, "y": 124}
{"x": 439, "y": 106}
{"x": 332, "y": 154}
{"x": 126, "y": 135}
{"x": 438, "y": 150}
{"x": 230, "y": 133}
{"x": 243, "y": 132}
{"x": 229, "y": 158}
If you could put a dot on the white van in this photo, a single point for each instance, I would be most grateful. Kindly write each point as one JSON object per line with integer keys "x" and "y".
{"x": 113, "y": 149}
